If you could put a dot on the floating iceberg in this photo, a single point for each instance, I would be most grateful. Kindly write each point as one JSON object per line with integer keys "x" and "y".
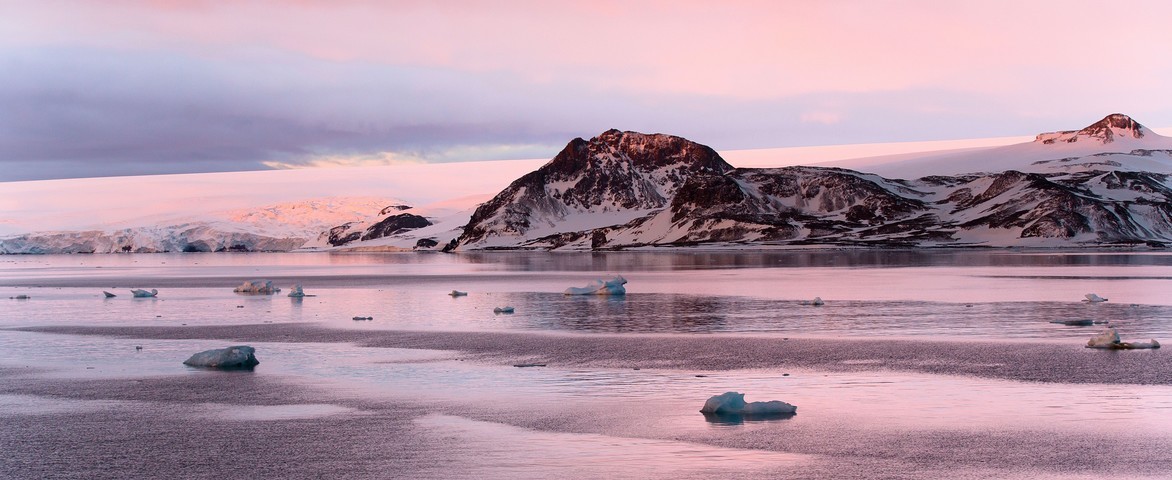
{"x": 262, "y": 287}
{"x": 108, "y": 294}
{"x": 138, "y": 293}
{"x": 734, "y": 403}
{"x": 613, "y": 286}
{"x": 1094, "y": 298}
{"x": 457, "y": 293}
{"x": 297, "y": 292}
{"x": 502, "y": 310}
{"x": 730, "y": 408}
{"x": 817, "y": 302}
{"x": 240, "y": 356}
{"x": 1109, "y": 339}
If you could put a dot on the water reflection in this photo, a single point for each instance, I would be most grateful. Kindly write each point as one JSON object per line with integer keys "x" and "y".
{"x": 734, "y": 419}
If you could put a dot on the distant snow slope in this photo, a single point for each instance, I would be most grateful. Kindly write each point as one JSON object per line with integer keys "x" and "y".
{"x": 98, "y": 203}
{"x": 1116, "y": 142}
{"x": 277, "y": 227}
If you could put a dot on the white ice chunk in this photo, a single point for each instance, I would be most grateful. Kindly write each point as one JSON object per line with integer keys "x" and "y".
{"x": 734, "y": 403}
{"x": 108, "y": 294}
{"x": 613, "y": 286}
{"x": 296, "y": 291}
{"x": 1094, "y": 298}
{"x": 257, "y": 286}
{"x": 144, "y": 294}
{"x": 239, "y": 356}
{"x": 817, "y": 302}
{"x": 1109, "y": 339}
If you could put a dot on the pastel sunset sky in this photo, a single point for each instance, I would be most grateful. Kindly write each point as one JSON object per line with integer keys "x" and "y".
{"x": 139, "y": 87}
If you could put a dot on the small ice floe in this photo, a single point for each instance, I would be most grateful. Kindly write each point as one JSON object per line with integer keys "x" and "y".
{"x": 259, "y": 287}
{"x": 236, "y": 357}
{"x": 502, "y": 310}
{"x": 20, "y": 297}
{"x": 363, "y": 318}
{"x": 613, "y": 286}
{"x": 733, "y": 404}
{"x": 1082, "y": 322}
{"x": 297, "y": 292}
{"x": 457, "y": 293}
{"x": 1109, "y": 339}
{"x": 817, "y": 302}
{"x": 108, "y": 294}
{"x": 139, "y": 293}
{"x": 1094, "y": 298}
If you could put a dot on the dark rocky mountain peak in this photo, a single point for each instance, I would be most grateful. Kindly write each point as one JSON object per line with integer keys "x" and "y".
{"x": 1115, "y": 126}
{"x": 616, "y": 171}
{"x": 641, "y": 151}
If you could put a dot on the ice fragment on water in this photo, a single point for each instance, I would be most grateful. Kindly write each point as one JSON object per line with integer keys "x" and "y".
{"x": 1094, "y": 298}
{"x": 1109, "y": 339}
{"x": 613, "y": 286}
{"x": 734, "y": 403}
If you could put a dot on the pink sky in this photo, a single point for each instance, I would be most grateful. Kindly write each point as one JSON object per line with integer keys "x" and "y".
{"x": 173, "y": 86}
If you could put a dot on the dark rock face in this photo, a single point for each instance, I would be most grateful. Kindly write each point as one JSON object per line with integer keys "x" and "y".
{"x": 424, "y": 243}
{"x": 395, "y": 224}
{"x": 393, "y": 208}
{"x": 391, "y": 225}
{"x": 624, "y": 189}
{"x": 341, "y": 234}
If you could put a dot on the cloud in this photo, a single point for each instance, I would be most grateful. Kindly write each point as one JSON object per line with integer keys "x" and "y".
{"x": 821, "y": 117}
{"x": 380, "y": 159}
{"x": 123, "y": 87}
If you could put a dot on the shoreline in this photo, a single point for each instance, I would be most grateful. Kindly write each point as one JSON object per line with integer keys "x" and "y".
{"x": 1016, "y": 361}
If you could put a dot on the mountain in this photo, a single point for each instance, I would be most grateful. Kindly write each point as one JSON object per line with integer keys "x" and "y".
{"x": 1106, "y": 184}
{"x": 613, "y": 178}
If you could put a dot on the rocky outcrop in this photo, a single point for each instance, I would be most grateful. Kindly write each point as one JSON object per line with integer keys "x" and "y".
{"x": 394, "y": 224}
{"x": 1116, "y": 126}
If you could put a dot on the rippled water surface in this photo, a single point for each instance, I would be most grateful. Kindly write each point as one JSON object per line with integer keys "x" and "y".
{"x": 94, "y": 405}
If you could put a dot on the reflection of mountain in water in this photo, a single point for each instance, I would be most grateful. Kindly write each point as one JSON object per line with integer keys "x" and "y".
{"x": 635, "y": 313}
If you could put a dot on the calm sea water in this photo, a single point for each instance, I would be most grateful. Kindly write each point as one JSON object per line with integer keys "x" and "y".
{"x": 320, "y": 406}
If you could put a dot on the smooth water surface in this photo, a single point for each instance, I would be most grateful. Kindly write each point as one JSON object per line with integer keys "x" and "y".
{"x": 98, "y": 406}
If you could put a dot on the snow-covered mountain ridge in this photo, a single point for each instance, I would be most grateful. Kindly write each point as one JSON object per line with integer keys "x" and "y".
{"x": 666, "y": 191}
